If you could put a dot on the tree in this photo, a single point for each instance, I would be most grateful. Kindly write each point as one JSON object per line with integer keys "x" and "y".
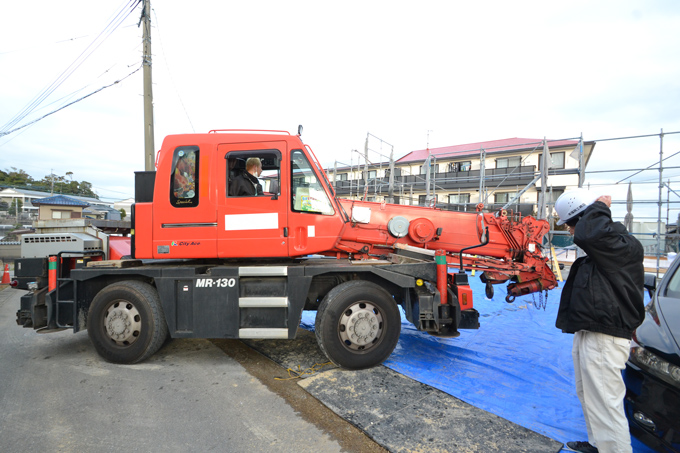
{"x": 86, "y": 190}
{"x": 15, "y": 207}
{"x": 20, "y": 179}
{"x": 123, "y": 214}
{"x": 15, "y": 177}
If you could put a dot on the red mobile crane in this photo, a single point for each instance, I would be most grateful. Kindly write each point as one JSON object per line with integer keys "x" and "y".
{"x": 204, "y": 264}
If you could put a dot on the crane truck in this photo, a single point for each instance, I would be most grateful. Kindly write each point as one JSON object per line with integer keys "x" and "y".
{"x": 201, "y": 263}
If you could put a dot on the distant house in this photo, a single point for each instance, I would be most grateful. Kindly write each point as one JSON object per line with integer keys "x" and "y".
{"x": 28, "y": 196}
{"x": 59, "y": 207}
{"x": 126, "y": 205}
{"x": 101, "y": 213}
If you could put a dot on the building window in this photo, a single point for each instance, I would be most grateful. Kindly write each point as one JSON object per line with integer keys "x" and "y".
{"x": 508, "y": 162}
{"x": 397, "y": 172}
{"x": 504, "y": 197}
{"x": 433, "y": 169}
{"x": 372, "y": 174}
{"x": 550, "y": 199}
{"x": 459, "y": 166}
{"x": 557, "y": 160}
{"x": 423, "y": 201}
{"x": 341, "y": 177}
{"x": 459, "y": 198}
{"x": 61, "y": 214}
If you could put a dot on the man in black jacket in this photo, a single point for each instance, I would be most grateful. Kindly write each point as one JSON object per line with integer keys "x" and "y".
{"x": 601, "y": 304}
{"x": 247, "y": 184}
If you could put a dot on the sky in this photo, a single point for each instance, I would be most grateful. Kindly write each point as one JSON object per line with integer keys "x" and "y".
{"x": 413, "y": 74}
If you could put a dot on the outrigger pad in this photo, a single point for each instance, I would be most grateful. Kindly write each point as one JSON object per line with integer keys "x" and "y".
{"x": 401, "y": 414}
{"x": 397, "y": 412}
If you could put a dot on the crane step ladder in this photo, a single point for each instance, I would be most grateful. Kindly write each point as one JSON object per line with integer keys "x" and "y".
{"x": 63, "y": 296}
{"x": 263, "y": 302}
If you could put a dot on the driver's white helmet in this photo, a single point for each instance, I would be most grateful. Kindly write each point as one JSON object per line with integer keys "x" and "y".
{"x": 572, "y": 203}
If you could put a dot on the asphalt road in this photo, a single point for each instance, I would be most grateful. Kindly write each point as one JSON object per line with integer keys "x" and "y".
{"x": 57, "y": 394}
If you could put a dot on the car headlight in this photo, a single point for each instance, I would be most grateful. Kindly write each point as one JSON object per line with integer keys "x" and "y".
{"x": 655, "y": 365}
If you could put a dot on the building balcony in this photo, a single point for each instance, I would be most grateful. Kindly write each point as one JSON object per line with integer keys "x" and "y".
{"x": 450, "y": 181}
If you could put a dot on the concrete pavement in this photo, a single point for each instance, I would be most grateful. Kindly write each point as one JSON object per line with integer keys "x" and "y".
{"x": 57, "y": 394}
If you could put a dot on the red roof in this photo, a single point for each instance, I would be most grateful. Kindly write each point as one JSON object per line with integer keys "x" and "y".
{"x": 493, "y": 146}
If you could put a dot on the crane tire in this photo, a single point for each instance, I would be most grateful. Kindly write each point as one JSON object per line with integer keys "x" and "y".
{"x": 126, "y": 323}
{"x": 357, "y": 325}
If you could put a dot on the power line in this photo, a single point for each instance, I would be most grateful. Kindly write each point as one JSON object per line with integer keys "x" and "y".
{"x": 165, "y": 60}
{"x": 23, "y": 49}
{"x": 2, "y": 134}
{"x": 114, "y": 23}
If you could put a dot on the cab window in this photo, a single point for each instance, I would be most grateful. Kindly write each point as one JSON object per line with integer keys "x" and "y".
{"x": 307, "y": 192}
{"x": 263, "y": 173}
{"x": 184, "y": 184}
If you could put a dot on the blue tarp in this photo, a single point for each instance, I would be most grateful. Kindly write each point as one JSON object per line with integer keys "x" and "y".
{"x": 517, "y": 365}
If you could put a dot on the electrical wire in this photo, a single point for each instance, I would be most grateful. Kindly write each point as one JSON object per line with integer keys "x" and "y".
{"x": 165, "y": 60}
{"x": 2, "y": 134}
{"x": 113, "y": 24}
{"x": 24, "y": 49}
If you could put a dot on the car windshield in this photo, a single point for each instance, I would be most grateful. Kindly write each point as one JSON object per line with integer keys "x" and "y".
{"x": 673, "y": 287}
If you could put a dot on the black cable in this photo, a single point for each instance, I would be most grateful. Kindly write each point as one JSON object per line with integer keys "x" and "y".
{"x": 109, "y": 29}
{"x": 2, "y": 134}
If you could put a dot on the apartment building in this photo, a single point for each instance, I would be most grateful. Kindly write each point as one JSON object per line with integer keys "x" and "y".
{"x": 462, "y": 176}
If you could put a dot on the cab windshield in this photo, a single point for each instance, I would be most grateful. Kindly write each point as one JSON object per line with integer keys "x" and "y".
{"x": 307, "y": 192}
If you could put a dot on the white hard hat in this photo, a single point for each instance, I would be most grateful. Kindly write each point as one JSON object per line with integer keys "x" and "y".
{"x": 572, "y": 203}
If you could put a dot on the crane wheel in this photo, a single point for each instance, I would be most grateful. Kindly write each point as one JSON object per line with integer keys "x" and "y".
{"x": 126, "y": 323}
{"x": 357, "y": 325}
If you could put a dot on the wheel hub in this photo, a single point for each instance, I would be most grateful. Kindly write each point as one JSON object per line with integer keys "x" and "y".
{"x": 360, "y": 326}
{"x": 123, "y": 323}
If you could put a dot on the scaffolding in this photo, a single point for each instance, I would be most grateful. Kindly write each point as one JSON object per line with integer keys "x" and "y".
{"x": 611, "y": 177}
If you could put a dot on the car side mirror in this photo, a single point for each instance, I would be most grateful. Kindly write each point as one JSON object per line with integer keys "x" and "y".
{"x": 650, "y": 283}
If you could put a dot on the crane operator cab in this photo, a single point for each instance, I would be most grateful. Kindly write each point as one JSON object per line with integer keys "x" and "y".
{"x": 198, "y": 211}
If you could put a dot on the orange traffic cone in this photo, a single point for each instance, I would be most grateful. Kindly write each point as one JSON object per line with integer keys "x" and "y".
{"x": 5, "y": 276}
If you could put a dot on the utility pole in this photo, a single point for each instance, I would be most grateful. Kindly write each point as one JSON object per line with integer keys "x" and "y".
{"x": 366, "y": 167}
{"x": 390, "y": 190}
{"x": 428, "y": 165}
{"x": 581, "y": 168}
{"x": 482, "y": 175}
{"x": 149, "y": 161}
{"x": 658, "y": 219}
{"x": 543, "y": 196}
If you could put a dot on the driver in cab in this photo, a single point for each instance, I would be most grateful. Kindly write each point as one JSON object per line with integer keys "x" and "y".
{"x": 247, "y": 184}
